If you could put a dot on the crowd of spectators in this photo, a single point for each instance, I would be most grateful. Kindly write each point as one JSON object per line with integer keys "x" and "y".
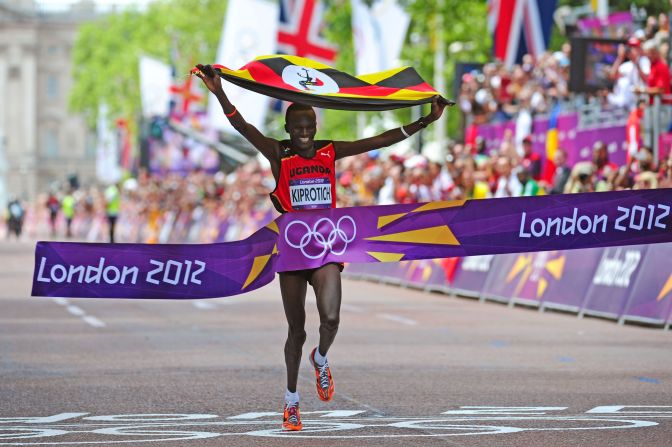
{"x": 201, "y": 207}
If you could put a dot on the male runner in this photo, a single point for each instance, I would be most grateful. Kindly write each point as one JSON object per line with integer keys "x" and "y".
{"x": 292, "y": 162}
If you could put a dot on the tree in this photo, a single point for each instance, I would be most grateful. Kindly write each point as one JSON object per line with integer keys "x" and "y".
{"x": 465, "y": 21}
{"x": 107, "y": 51}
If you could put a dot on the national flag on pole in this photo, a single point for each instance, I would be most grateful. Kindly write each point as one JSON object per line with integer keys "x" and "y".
{"x": 297, "y": 79}
{"x": 520, "y": 27}
{"x": 300, "y": 31}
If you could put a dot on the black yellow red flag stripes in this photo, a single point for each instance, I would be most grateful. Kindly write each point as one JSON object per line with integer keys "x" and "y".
{"x": 297, "y": 79}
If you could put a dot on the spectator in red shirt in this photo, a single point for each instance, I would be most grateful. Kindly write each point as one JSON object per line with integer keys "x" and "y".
{"x": 531, "y": 160}
{"x": 658, "y": 79}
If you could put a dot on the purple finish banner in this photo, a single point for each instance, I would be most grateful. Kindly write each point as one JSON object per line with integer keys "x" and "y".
{"x": 309, "y": 239}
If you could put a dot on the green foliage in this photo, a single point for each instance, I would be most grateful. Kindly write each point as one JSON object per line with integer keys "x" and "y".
{"x": 107, "y": 51}
{"x": 464, "y": 21}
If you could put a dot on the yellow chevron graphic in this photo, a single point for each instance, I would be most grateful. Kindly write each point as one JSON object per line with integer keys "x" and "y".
{"x": 439, "y": 205}
{"x": 274, "y": 227}
{"x": 257, "y": 267}
{"x": 667, "y": 288}
{"x": 541, "y": 287}
{"x": 522, "y": 261}
{"x": 556, "y": 266}
{"x": 384, "y": 220}
{"x": 432, "y": 235}
{"x": 385, "y": 257}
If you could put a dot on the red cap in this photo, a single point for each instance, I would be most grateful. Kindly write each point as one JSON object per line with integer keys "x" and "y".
{"x": 527, "y": 139}
{"x": 634, "y": 42}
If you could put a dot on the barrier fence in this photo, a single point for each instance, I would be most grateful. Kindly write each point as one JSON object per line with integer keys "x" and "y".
{"x": 624, "y": 284}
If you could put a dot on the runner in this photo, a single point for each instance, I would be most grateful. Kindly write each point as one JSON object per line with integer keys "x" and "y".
{"x": 304, "y": 171}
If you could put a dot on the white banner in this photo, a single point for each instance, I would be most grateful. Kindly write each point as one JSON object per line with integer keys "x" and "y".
{"x": 155, "y": 81}
{"x": 107, "y": 150}
{"x": 250, "y": 30}
{"x": 379, "y": 33}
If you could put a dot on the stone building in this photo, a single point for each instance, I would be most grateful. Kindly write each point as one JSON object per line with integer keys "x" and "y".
{"x": 41, "y": 142}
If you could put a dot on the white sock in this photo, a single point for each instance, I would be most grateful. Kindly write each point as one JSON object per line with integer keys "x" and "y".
{"x": 291, "y": 398}
{"x": 318, "y": 358}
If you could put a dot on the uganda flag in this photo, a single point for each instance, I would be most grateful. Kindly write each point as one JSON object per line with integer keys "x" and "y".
{"x": 297, "y": 79}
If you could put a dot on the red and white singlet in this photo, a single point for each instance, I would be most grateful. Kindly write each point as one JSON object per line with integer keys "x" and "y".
{"x": 306, "y": 183}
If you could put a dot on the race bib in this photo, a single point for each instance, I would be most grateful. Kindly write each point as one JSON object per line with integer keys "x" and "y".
{"x": 310, "y": 193}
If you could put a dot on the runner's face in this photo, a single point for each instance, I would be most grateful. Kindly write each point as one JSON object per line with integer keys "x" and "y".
{"x": 301, "y": 126}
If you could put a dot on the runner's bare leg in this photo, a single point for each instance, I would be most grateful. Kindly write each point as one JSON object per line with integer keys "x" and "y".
{"x": 293, "y": 288}
{"x": 327, "y": 285}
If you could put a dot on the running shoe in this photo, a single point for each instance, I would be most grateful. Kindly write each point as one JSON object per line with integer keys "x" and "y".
{"x": 292, "y": 417}
{"x": 323, "y": 380}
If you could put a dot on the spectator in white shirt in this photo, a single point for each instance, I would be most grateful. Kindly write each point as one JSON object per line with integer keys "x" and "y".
{"x": 508, "y": 184}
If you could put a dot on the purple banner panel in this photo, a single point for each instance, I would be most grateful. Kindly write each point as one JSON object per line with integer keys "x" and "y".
{"x": 565, "y": 277}
{"x": 555, "y": 278}
{"x": 577, "y": 143}
{"x": 426, "y": 274}
{"x": 471, "y": 274}
{"x": 495, "y": 287}
{"x": 153, "y": 271}
{"x": 310, "y": 239}
{"x": 651, "y": 296}
{"x": 613, "y": 280}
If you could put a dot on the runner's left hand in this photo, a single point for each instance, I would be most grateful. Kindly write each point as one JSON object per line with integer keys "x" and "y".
{"x": 438, "y": 104}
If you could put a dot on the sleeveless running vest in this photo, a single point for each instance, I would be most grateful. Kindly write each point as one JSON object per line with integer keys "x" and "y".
{"x": 306, "y": 183}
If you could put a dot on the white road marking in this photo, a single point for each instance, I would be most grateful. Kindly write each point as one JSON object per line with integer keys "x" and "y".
{"x": 93, "y": 321}
{"x": 76, "y": 311}
{"x": 339, "y": 424}
{"x": 398, "y": 319}
{"x": 79, "y": 312}
{"x": 353, "y": 309}
{"x": 203, "y": 305}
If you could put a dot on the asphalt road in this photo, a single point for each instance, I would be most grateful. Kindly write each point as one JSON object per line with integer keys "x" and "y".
{"x": 410, "y": 369}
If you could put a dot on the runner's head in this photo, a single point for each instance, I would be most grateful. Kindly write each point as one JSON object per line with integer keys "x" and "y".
{"x": 301, "y": 125}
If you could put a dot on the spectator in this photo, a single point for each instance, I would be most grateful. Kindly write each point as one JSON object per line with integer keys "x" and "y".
{"x": 625, "y": 72}
{"x": 53, "y": 205}
{"x": 531, "y": 160}
{"x": 508, "y": 184}
{"x": 562, "y": 171}
{"x": 633, "y": 131}
{"x": 658, "y": 79}
{"x": 530, "y": 186}
{"x": 15, "y": 216}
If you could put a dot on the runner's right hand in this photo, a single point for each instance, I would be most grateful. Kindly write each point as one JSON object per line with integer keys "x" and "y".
{"x": 209, "y": 77}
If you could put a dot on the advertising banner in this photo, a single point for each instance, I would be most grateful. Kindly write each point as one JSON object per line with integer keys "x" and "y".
{"x": 612, "y": 282}
{"x": 471, "y": 275}
{"x": 651, "y": 295}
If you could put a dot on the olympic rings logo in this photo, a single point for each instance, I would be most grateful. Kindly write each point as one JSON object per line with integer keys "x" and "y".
{"x": 336, "y": 240}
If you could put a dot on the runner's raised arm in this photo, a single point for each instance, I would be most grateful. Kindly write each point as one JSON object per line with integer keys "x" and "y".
{"x": 269, "y": 147}
{"x": 392, "y": 136}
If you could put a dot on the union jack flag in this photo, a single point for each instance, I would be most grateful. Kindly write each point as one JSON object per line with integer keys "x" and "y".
{"x": 299, "y": 31}
{"x": 520, "y": 27}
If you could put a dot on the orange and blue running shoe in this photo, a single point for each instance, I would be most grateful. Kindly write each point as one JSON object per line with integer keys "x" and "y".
{"x": 323, "y": 380}
{"x": 292, "y": 417}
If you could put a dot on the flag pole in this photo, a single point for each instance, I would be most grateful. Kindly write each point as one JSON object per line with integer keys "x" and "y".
{"x": 439, "y": 78}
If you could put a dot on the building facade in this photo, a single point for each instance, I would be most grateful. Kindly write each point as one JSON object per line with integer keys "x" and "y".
{"x": 41, "y": 142}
